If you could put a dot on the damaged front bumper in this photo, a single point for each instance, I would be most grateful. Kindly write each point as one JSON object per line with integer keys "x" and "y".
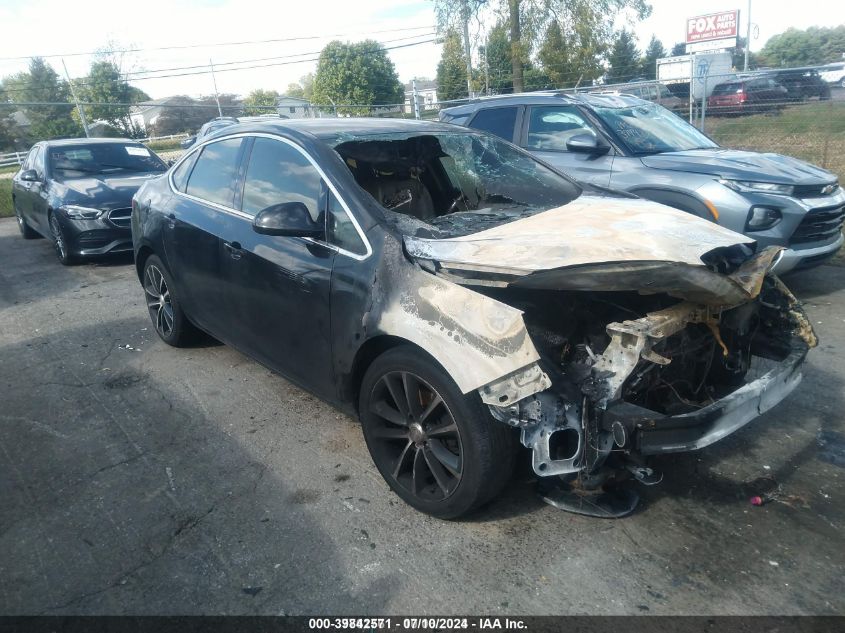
{"x": 653, "y": 433}
{"x": 587, "y": 420}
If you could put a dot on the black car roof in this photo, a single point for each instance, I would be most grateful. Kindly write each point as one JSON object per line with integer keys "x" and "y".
{"x": 89, "y": 141}
{"x": 328, "y": 128}
{"x": 589, "y": 99}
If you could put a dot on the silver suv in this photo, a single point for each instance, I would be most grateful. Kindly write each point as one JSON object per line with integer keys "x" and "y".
{"x": 625, "y": 143}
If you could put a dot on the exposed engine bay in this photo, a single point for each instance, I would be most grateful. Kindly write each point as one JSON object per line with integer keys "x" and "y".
{"x": 648, "y": 330}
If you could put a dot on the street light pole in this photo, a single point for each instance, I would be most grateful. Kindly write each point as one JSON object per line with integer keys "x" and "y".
{"x": 76, "y": 100}
{"x": 467, "y": 50}
{"x": 216, "y": 96}
{"x": 747, "y": 35}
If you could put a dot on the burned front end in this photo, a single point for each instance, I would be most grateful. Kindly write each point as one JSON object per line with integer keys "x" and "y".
{"x": 604, "y": 327}
{"x": 634, "y": 375}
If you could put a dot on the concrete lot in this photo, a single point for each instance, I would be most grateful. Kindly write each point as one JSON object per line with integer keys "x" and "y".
{"x": 146, "y": 480}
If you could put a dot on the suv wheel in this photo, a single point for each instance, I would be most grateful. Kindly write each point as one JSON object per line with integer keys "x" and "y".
{"x": 438, "y": 449}
{"x": 170, "y": 322}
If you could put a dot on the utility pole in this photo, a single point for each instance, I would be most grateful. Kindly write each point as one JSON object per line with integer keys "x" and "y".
{"x": 78, "y": 107}
{"x": 414, "y": 98}
{"x": 216, "y": 96}
{"x": 465, "y": 16}
{"x": 747, "y": 35}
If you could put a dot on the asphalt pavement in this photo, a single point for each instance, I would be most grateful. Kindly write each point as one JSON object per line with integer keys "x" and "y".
{"x": 140, "y": 479}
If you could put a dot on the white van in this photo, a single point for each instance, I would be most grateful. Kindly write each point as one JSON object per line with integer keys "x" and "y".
{"x": 833, "y": 73}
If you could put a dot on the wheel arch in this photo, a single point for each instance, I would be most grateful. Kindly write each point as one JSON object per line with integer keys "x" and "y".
{"x": 680, "y": 199}
{"x": 367, "y": 353}
{"x": 141, "y": 257}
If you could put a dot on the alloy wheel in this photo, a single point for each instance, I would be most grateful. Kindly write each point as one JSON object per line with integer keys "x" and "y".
{"x": 158, "y": 300}
{"x": 58, "y": 238}
{"x": 415, "y": 436}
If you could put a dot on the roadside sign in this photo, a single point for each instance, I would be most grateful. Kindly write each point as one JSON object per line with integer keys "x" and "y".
{"x": 714, "y": 26}
{"x": 711, "y": 46}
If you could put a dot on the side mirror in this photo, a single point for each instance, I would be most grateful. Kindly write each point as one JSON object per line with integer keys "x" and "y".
{"x": 289, "y": 219}
{"x": 188, "y": 142}
{"x": 586, "y": 144}
{"x": 30, "y": 175}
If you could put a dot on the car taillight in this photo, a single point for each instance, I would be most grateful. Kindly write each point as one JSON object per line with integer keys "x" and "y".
{"x": 742, "y": 96}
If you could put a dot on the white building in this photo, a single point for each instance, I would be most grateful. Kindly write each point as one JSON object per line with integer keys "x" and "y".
{"x": 294, "y": 108}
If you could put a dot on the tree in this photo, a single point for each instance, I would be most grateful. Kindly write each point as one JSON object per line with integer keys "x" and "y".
{"x": 452, "y": 69}
{"x": 653, "y": 52}
{"x": 738, "y": 57}
{"x": 105, "y": 85}
{"x": 624, "y": 59}
{"x": 302, "y": 89}
{"x": 360, "y": 74}
{"x": 497, "y": 57}
{"x": 41, "y": 84}
{"x": 813, "y": 46}
{"x": 261, "y": 102}
{"x": 589, "y": 22}
{"x": 554, "y": 55}
{"x": 678, "y": 49}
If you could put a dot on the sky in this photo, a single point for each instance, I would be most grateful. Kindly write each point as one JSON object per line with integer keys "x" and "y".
{"x": 299, "y": 29}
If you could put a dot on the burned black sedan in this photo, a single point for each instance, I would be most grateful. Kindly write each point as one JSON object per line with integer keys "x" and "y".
{"x": 458, "y": 296}
{"x": 78, "y": 193}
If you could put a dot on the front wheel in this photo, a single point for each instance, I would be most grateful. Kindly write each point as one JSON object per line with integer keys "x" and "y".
{"x": 438, "y": 449}
{"x": 170, "y": 322}
{"x": 63, "y": 254}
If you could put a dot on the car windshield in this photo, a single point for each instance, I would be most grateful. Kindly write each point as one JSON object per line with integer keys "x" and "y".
{"x": 103, "y": 158}
{"x": 459, "y": 183}
{"x": 651, "y": 129}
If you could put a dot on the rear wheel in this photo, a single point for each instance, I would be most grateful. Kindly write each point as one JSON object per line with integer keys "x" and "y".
{"x": 65, "y": 257}
{"x": 26, "y": 231}
{"x": 170, "y": 322}
{"x": 438, "y": 449}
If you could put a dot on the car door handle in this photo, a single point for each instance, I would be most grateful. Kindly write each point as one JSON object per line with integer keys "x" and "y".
{"x": 234, "y": 249}
{"x": 171, "y": 221}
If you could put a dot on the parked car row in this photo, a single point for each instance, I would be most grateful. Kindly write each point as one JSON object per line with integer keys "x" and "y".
{"x": 461, "y": 295}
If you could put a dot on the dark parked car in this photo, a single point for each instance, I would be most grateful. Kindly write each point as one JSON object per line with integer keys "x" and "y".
{"x": 219, "y": 123}
{"x": 632, "y": 145}
{"x": 801, "y": 83}
{"x": 78, "y": 193}
{"x": 752, "y": 95}
{"x": 458, "y": 295}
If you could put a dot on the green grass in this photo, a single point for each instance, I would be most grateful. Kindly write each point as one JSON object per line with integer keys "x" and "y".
{"x": 165, "y": 145}
{"x": 10, "y": 169}
{"x": 814, "y": 132}
{"x": 6, "y": 198}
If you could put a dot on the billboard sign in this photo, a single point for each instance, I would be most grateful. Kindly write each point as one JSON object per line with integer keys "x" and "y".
{"x": 715, "y": 26}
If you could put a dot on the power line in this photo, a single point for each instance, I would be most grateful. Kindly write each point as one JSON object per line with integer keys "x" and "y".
{"x": 206, "y": 68}
{"x": 212, "y": 45}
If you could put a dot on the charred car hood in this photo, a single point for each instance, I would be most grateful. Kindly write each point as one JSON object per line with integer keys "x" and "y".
{"x": 104, "y": 191}
{"x": 740, "y": 165}
{"x": 596, "y": 243}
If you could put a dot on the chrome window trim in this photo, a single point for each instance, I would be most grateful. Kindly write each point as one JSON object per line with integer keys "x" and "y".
{"x": 240, "y": 214}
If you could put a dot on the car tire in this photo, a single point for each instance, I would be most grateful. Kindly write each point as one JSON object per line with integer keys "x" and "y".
{"x": 440, "y": 450}
{"x": 63, "y": 254}
{"x": 27, "y": 232}
{"x": 166, "y": 313}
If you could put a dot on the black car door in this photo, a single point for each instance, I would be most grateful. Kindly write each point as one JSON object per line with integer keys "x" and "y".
{"x": 199, "y": 214}
{"x": 22, "y": 189}
{"x": 278, "y": 288}
{"x": 38, "y": 194}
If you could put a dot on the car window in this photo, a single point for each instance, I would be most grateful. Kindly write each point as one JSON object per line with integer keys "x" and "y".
{"x": 498, "y": 121}
{"x": 339, "y": 228}
{"x": 550, "y": 127}
{"x": 665, "y": 93}
{"x": 213, "y": 175}
{"x": 38, "y": 163}
{"x": 30, "y": 159}
{"x": 181, "y": 173}
{"x": 279, "y": 173}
